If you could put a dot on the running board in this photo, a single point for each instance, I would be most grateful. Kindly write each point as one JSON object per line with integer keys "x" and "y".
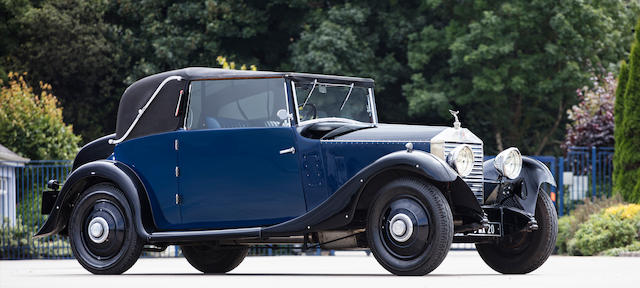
{"x": 205, "y": 235}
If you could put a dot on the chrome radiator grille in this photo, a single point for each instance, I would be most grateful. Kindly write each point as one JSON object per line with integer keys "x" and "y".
{"x": 475, "y": 179}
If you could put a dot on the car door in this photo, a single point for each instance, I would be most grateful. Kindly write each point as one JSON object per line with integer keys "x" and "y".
{"x": 154, "y": 160}
{"x": 237, "y": 161}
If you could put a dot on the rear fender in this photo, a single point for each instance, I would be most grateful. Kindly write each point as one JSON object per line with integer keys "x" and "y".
{"x": 92, "y": 173}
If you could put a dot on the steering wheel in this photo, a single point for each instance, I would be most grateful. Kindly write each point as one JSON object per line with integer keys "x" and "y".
{"x": 308, "y": 112}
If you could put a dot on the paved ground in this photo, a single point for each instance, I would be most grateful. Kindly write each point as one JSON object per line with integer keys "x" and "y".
{"x": 460, "y": 268}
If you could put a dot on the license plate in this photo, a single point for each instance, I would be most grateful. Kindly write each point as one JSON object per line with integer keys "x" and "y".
{"x": 492, "y": 230}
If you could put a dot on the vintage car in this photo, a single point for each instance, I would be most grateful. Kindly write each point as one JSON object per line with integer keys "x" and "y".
{"x": 218, "y": 161}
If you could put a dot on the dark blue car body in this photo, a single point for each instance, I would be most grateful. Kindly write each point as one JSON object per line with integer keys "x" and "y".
{"x": 247, "y": 157}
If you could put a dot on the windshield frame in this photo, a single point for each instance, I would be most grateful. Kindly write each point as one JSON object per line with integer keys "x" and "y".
{"x": 370, "y": 101}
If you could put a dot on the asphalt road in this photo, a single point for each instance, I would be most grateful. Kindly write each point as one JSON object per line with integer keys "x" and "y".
{"x": 459, "y": 269}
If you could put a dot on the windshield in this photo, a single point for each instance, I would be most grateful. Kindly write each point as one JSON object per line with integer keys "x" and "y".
{"x": 317, "y": 100}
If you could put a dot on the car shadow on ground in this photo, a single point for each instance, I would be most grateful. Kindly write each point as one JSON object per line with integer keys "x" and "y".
{"x": 291, "y": 275}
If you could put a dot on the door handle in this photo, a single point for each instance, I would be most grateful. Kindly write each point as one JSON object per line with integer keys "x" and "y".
{"x": 291, "y": 150}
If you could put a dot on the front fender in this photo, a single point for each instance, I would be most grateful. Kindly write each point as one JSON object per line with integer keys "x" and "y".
{"x": 533, "y": 175}
{"x": 338, "y": 210}
{"x": 90, "y": 174}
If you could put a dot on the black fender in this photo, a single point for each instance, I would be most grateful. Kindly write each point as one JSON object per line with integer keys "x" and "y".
{"x": 525, "y": 187}
{"x": 97, "y": 149}
{"x": 92, "y": 173}
{"x": 338, "y": 210}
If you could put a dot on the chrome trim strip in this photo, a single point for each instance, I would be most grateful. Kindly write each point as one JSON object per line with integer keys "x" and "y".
{"x": 143, "y": 109}
{"x": 374, "y": 110}
{"x": 375, "y": 141}
{"x": 186, "y": 113}
{"x": 295, "y": 101}
{"x": 286, "y": 96}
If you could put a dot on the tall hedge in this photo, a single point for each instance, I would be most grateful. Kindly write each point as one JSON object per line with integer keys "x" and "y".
{"x": 619, "y": 178}
{"x": 628, "y": 139}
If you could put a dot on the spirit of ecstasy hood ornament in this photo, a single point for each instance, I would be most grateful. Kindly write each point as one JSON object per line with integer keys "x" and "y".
{"x": 456, "y": 123}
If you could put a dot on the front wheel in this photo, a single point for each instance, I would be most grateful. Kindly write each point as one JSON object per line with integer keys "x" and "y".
{"x": 101, "y": 231}
{"x": 523, "y": 252}
{"x": 212, "y": 259}
{"x": 410, "y": 227}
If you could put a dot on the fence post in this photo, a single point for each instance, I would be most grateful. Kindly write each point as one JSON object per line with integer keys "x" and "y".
{"x": 593, "y": 172}
{"x": 560, "y": 196}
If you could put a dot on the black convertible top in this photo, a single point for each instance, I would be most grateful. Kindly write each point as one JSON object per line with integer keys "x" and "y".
{"x": 160, "y": 114}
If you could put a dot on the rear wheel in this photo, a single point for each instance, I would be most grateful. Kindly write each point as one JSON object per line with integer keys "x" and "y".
{"x": 523, "y": 252}
{"x": 212, "y": 259}
{"x": 101, "y": 231}
{"x": 410, "y": 227}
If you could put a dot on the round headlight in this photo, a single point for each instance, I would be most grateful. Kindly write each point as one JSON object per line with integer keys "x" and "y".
{"x": 509, "y": 162}
{"x": 461, "y": 159}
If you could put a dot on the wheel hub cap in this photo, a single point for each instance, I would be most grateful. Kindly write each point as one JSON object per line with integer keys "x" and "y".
{"x": 401, "y": 227}
{"x": 98, "y": 230}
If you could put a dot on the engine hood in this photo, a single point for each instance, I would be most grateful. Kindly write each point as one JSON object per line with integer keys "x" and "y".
{"x": 394, "y": 132}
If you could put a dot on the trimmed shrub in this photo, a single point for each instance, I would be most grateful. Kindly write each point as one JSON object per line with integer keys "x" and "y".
{"x": 569, "y": 224}
{"x": 633, "y": 247}
{"x": 602, "y": 231}
{"x": 614, "y": 227}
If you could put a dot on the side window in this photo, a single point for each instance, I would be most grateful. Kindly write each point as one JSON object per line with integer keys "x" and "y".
{"x": 215, "y": 104}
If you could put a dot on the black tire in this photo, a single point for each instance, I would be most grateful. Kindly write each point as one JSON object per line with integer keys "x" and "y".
{"x": 211, "y": 259}
{"x": 525, "y": 251}
{"x": 431, "y": 222}
{"x": 121, "y": 246}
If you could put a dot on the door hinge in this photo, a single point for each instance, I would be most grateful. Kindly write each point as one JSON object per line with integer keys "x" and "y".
{"x": 176, "y": 145}
{"x": 177, "y": 171}
{"x": 178, "y": 199}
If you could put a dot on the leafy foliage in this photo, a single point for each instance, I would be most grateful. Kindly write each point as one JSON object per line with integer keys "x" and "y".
{"x": 633, "y": 247}
{"x": 66, "y": 43}
{"x": 602, "y": 231}
{"x": 599, "y": 226}
{"x": 620, "y": 179}
{"x": 592, "y": 119}
{"x": 520, "y": 60}
{"x": 627, "y": 156}
{"x": 569, "y": 224}
{"x": 31, "y": 124}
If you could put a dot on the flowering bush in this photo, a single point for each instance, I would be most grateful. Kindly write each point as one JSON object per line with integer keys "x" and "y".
{"x": 592, "y": 119}
{"x": 628, "y": 211}
{"x": 232, "y": 65}
{"x": 611, "y": 231}
{"x": 31, "y": 123}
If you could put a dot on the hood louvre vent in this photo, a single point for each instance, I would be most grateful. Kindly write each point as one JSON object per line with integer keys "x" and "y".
{"x": 475, "y": 180}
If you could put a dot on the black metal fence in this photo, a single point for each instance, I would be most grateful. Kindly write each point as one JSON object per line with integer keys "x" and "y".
{"x": 584, "y": 172}
{"x": 21, "y": 189}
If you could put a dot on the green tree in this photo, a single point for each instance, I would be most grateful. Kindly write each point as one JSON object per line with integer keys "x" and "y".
{"x": 66, "y": 43}
{"x": 619, "y": 177}
{"x": 31, "y": 123}
{"x": 627, "y": 156}
{"x": 361, "y": 39}
{"x": 163, "y": 35}
{"x": 512, "y": 67}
